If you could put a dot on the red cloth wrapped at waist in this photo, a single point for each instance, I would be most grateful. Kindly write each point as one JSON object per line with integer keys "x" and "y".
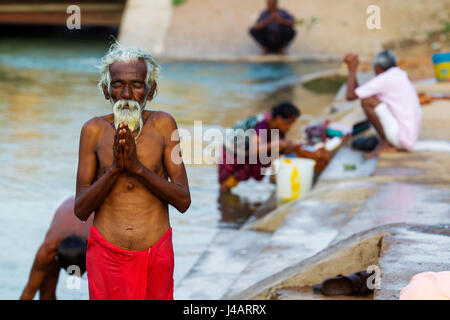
{"x": 118, "y": 274}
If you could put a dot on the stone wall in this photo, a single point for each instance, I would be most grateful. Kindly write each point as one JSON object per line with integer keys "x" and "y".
{"x": 208, "y": 28}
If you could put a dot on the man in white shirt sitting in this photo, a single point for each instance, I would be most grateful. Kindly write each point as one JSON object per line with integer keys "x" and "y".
{"x": 389, "y": 101}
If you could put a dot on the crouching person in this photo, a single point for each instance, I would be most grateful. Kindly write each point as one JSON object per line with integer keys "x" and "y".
{"x": 389, "y": 101}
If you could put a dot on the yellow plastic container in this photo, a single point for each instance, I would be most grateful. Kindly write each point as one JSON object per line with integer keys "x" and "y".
{"x": 441, "y": 64}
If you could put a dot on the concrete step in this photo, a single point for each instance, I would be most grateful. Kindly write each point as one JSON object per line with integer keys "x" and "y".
{"x": 306, "y": 293}
{"x": 307, "y": 229}
{"x": 318, "y": 222}
{"x": 307, "y": 226}
{"x": 223, "y": 260}
{"x": 411, "y": 251}
{"x": 346, "y": 155}
{"x": 348, "y": 256}
{"x": 335, "y": 171}
{"x": 400, "y": 203}
{"x": 399, "y": 251}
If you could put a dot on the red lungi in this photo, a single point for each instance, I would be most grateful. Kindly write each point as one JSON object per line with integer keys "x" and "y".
{"x": 118, "y": 274}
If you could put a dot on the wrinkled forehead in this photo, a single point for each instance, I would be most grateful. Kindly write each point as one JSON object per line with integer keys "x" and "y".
{"x": 128, "y": 70}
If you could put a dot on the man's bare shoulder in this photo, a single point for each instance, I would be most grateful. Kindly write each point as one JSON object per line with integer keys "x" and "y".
{"x": 94, "y": 126}
{"x": 163, "y": 121}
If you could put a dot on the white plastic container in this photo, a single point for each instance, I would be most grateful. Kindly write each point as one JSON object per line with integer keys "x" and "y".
{"x": 333, "y": 143}
{"x": 294, "y": 177}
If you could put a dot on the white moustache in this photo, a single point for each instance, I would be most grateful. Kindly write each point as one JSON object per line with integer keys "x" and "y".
{"x": 127, "y": 111}
{"x": 131, "y": 104}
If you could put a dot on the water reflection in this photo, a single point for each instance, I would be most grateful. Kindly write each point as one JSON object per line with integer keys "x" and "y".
{"x": 234, "y": 210}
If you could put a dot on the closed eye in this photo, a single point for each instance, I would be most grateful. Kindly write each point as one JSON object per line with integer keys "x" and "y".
{"x": 116, "y": 84}
{"x": 138, "y": 84}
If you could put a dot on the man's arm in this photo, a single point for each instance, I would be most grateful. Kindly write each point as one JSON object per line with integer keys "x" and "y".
{"x": 264, "y": 22}
{"x": 47, "y": 290}
{"x": 289, "y": 146}
{"x": 44, "y": 258}
{"x": 89, "y": 196}
{"x": 174, "y": 192}
{"x": 260, "y": 146}
{"x": 287, "y": 21}
{"x": 352, "y": 83}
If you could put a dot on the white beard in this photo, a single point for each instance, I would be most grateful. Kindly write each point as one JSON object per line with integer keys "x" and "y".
{"x": 132, "y": 116}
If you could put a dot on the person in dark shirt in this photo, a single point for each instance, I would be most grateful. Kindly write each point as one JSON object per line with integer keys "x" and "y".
{"x": 274, "y": 29}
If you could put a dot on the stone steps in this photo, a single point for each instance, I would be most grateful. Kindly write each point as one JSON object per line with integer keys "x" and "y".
{"x": 411, "y": 251}
{"x": 341, "y": 227}
{"x": 219, "y": 265}
{"x": 348, "y": 256}
{"x": 399, "y": 250}
{"x": 310, "y": 225}
{"x": 306, "y": 293}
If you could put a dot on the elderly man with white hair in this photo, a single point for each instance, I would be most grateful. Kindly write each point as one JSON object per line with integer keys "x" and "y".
{"x": 129, "y": 171}
{"x": 389, "y": 101}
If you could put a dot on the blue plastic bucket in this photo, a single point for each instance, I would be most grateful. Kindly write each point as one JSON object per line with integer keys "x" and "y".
{"x": 441, "y": 63}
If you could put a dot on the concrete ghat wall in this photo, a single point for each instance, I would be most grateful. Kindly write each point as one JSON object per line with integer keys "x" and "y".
{"x": 145, "y": 24}
{"x": 208, "y": 28}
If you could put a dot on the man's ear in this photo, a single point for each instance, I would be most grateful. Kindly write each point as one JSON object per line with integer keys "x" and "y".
{"x": 378, "y": 69}
{"x": 152, "y": 91}
{"x": 105, "y": 92}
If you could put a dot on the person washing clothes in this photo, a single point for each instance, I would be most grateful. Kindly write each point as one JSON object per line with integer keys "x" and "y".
{"x": 231, "y": 170}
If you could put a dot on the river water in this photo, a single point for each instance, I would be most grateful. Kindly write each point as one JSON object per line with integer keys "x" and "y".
{"x": 48, "y": 90}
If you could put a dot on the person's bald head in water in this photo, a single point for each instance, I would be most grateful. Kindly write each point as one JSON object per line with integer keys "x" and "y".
{"x": 129, "y": 79}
